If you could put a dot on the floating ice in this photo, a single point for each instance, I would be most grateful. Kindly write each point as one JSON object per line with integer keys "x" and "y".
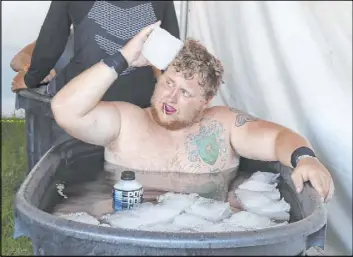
{"x": 255, "y": 199}
{"x": 254, "y": 185}
{"x": 186, "y": 220}
{"x": 249, "y": 220}
{"x": 276, "y": 210}
{"x": 177, "y": 201}
{"x": 210, "y": 209}
{"x": 260, "y": 195}
{"x": 262, "y": 207}
{"x": 265, "y": 177}
{"x": 245, "y": 194}
{"x": 144, "y": 215}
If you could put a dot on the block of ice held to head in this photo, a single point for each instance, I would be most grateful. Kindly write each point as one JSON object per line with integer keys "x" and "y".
{"x": 161, "y": 48}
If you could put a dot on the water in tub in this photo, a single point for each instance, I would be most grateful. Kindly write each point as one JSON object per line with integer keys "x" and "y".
{"x": 178, "y": 201}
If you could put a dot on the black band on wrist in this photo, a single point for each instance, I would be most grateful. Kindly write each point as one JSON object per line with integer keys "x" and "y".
{"x": 117, "y": 62}
{"x": 300, "y": 152}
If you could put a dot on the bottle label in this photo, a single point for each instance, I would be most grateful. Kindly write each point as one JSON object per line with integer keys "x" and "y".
{"x": 124, "y": 200}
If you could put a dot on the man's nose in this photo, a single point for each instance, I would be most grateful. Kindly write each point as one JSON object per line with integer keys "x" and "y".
{"x": 173, "y": 95}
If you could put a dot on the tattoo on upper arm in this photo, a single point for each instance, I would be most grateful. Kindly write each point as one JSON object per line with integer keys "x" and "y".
{"x": 242, "y": 117}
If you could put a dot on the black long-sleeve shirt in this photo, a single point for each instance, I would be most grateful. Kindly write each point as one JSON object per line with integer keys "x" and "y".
{"x": 55, "y": 31}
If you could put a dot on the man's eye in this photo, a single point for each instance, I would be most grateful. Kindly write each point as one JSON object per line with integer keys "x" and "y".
{"x": 169, "y": 83}
{"x": 185, "y": 93}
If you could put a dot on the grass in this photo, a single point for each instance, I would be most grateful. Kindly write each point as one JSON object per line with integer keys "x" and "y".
{"x": 13, "y": 172}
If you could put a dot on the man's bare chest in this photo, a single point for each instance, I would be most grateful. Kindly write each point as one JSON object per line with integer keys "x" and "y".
{"x": 204, "y": 149}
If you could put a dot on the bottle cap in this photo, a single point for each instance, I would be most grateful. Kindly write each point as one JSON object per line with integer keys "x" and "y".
{"x": 127, "y": 175}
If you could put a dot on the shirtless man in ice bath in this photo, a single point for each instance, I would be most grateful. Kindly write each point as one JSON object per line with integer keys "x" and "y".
{"x": 179, "y": 132}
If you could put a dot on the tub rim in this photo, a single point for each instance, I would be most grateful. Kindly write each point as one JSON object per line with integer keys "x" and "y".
{"x": 33, "y": 95}
{"x": 297, "y": 230}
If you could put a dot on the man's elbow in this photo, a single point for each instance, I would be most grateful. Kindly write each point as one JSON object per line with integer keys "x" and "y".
{"x": 58, "y": 116}
{"x": 14, "y": 64}
{"x": 60, "y": 113}
{"x": 20, "y": 61}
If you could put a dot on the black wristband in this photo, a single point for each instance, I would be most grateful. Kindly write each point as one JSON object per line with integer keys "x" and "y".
{"x": 300, "y": 152}
{"x": 117, "y": 62}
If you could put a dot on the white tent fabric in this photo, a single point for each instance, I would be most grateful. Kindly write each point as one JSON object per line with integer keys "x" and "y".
{"x": 290, "y": 63}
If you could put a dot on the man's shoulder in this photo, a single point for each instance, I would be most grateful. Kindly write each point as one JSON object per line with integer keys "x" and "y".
{"x": 228, "y": 114}
{"x": 220, "y": 111}
{"x": 223, "y": 109}
{"x": 217, "y": 114}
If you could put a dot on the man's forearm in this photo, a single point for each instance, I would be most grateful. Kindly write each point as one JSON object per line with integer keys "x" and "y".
{"x": 85, "y": 91}
{"x": 50, "y": 43}
{"x": 286, "y": 143}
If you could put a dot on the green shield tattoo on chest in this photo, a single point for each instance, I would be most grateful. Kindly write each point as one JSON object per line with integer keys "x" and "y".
{"x": 208, "y": 148}
{"x": 208, "y": 145}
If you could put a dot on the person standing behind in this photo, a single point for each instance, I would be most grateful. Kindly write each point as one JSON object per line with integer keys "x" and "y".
{"x": 101, "y": 28}
{"x": 22, "y": 61}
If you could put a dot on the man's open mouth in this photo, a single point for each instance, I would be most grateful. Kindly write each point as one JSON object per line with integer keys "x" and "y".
{"x": 167, "y": 109}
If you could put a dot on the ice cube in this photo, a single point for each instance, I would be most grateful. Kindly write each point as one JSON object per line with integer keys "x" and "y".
{"x": 264, "y": 177}
{"x": 273, "y": 194}
{"x": 273, "y": 215}
{"x": 209, "y": 209}
{"x": 249, "y": 220}
{"x": 274, "y": 210}
{"x": 135, "y": 212}
{"x": 277, "y": 206}
{"x": 186, "y": 220}
{"x": 253, "y": 185}
{"x": 255, "y": 199}
{"x": 147, "y": 216}
{"x": 177, "y": 201}
{"x": 161, "y": 48}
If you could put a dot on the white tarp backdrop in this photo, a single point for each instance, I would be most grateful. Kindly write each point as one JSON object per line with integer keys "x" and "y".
{"x": 290, "y": 63}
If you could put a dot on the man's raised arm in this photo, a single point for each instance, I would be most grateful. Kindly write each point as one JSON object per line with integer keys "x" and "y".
{"x": 262, "y": 140}
{"x": 78, "y": 110}
{"x": 77, "y": 107}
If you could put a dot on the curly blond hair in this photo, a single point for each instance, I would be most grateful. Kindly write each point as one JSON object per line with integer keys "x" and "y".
{"x": 194, "y": 59}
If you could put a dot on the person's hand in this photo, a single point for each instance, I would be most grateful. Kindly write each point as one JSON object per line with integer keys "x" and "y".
{"x": 311, "y": 169}
{"x": 48, "y": 78}
{"x": 18, "y": 82}
{"x": 132, "y": 50}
